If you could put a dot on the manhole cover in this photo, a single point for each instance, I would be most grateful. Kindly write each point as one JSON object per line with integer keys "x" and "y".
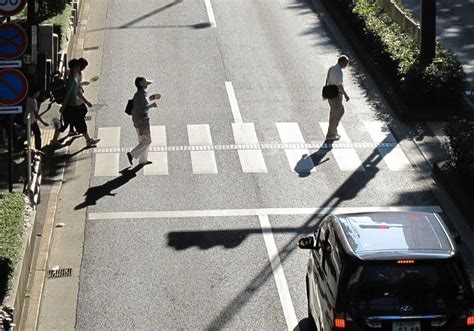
{"x": 57, "y": 273}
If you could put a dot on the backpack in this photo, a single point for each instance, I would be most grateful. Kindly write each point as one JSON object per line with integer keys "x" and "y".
{"x": 58, "y": 90}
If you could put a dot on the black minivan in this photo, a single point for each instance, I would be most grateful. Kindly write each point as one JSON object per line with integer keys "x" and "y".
{"x": 387, "y": 271}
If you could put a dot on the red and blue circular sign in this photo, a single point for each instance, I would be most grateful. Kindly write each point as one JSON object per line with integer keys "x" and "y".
{"x": 11, "y": 7}
{"x": 13, "y": 41}
{"x": 13, "y": 87}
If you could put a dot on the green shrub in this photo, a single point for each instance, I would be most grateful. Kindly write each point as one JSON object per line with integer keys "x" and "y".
{"x": 438, "y": 85}
{"x": 460, "y": 147}
{"x": 61, "y": 20}
{"x": 12, "y": 207}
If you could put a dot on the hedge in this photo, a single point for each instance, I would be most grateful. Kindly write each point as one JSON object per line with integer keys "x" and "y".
{"x": 460, "y": 147}
{"x": 438, "y": 85}
{"x": 12, "y": 208}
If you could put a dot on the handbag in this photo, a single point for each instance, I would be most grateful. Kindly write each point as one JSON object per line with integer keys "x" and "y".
{"x": 330, "y": 91}
{"x": 129, "y": 107}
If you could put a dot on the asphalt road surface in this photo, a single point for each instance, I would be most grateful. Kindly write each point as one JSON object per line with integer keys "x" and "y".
{"x": 205, "y": 237}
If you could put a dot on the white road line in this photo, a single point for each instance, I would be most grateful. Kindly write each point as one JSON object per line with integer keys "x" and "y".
{"x": 159, "y": 167}
{"x": 109, "y": 137}
{"x": 299, "y": 159}
{"x": 210, "y": 13}
{"x": 346, "y": 158}
{"x": 158, "y": 135}
{"x": 255, "y": 212}
{"x": 394, "y": 158}
{"x": 251, "y": 160}
{"x": 233, "y": 102}
{"x": 203, "y": 162}
{"x": 278, "y": 274}
{"x": 107, "y": 164}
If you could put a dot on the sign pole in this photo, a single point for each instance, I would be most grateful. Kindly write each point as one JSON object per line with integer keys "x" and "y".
{"x": 10, "y": 155}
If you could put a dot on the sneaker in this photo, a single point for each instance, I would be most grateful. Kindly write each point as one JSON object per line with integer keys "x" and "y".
{"x": 92, "y": 142}
{"x": 336, "y": 137}
{"x": 130, "y": 158}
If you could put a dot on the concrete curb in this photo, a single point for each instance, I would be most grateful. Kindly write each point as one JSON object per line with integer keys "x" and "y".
{"x": 16, "y": 297}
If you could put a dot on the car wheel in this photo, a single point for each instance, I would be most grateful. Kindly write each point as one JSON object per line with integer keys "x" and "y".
{"x": 311, "y": 324}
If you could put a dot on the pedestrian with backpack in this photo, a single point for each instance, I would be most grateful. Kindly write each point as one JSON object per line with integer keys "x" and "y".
{"x": 141, "y": 120}
{"x": 70, "y": 107}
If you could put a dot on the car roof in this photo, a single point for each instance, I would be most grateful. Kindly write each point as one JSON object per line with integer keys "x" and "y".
{"x": 394, "y": 235}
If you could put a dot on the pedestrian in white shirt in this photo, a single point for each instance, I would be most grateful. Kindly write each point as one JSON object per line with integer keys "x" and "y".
{"x": 141, "y": 120}
{"x": 335, "y": 77}
{"x": 32, "y": 110}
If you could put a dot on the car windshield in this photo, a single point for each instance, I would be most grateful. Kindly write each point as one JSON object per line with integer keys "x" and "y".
{"x": 424, "y": 287}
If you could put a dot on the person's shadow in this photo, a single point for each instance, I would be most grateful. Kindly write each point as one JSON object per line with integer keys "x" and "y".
{"x": 308, "y": 162}
{"x": 97, "y": 192}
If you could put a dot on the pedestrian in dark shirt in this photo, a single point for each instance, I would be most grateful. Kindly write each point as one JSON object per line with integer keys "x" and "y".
{"x": 70, "y": 107}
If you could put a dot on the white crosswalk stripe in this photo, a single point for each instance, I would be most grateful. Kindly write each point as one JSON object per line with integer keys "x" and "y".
{"x": 107, "y": 164}
{"x": 298, "y": 152}
{"x": 203, "y": 162}
{"x": 394, "y": 158}
{"x": 346, "y": 158}
{"x": 251, "y": 160}
{"x": 299, "y": 159}
{"x": 159, "y": 167}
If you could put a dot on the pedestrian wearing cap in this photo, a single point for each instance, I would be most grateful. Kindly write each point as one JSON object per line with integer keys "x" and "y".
{"x": 141, "y": 120}
{"x": 335, "y": 77}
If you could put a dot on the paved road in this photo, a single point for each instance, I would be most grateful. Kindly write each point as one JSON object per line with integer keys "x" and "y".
{"x": 205, "y": 238}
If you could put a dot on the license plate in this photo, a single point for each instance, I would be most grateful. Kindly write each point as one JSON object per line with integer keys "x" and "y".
{"x": 406, "y": 326}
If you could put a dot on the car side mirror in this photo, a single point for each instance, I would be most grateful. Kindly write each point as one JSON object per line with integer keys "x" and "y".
{"x": 306, "y": 243}
{"x": 457, "y": 238}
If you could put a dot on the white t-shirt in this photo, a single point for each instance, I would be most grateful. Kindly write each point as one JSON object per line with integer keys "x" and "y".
{"x": 335, "y": 75}
{"x": 30, "y": 108}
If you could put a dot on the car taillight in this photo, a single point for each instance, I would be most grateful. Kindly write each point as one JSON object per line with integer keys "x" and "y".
{"x": 470, "y": 317}
{"x": 339, "y": 320}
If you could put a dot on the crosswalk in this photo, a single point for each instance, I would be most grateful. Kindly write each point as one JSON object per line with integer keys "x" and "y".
{"x": 302, "y": 156}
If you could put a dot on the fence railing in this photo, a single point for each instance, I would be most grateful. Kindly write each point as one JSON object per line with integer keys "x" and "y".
{"x": 407, "y": 24}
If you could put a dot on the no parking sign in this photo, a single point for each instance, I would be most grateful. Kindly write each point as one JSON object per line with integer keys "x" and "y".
{"x": 13, "y": 87}
{"x": 13, "y": 41}
{"x": 11, "y": 7}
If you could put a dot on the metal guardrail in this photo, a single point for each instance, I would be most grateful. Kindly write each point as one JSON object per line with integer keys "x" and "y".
{"x": 407, "y": 24}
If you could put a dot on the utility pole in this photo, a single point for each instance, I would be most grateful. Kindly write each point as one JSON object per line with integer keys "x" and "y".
{"x": 428, "y": 31}
{"x": 31, "y": 12}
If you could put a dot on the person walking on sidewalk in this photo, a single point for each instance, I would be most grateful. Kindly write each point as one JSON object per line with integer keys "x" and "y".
{"x": 141, "y": 120}
{"x": 83, "y": 63}
{"x": 70, "y": 107}
{"x": 335, "y": 77}
{"x": 31, "y": 109}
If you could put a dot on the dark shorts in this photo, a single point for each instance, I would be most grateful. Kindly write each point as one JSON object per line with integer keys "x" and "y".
{"x": 74, "y": 115}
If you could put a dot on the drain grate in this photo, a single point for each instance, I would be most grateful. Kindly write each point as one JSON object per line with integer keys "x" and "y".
{"x": 88, "y": 118}
{"x": 57, "y": 273}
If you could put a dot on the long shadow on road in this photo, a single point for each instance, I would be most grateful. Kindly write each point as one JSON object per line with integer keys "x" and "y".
{"x": 95, "y": 193}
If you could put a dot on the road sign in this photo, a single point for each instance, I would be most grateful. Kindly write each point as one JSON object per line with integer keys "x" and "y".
{"x": 11, "y": 110}
{"x": 13, "y": 41}
{"x": 11, "y": 7}
{"x": 10, "y": 64}
{"x": 13, "y": 87}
